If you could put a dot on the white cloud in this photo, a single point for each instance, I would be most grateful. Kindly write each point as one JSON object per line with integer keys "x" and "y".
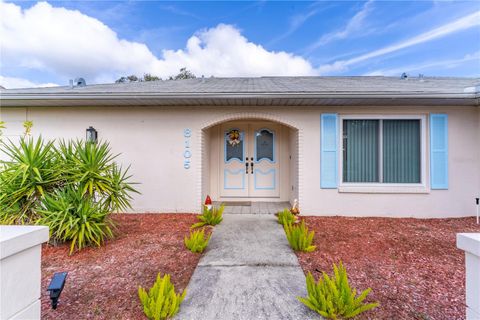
{"x": 11, "y": 82}
{"x": 223, "y": 51}
{"x": 70, "y": 44}
{"x": 66, "y": 42}
{"x": 355, "y": 24}
{"x": 463, "y": 23}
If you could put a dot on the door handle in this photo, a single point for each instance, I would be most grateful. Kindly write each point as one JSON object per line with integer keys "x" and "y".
{"x": 251, "y": 167}
{"x": 246, "y": 167}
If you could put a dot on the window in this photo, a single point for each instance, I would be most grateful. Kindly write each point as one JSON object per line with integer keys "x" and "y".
{"x": 385, "y": 150}
{"x": 234, "y": 145}
{"x": 264, "y": 145}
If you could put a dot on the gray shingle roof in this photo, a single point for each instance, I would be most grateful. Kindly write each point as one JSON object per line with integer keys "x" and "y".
{"x": 263, "y": 91}
{"x": 272, "y": 85}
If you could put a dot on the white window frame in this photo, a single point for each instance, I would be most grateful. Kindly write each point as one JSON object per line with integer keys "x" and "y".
{"x": 379, "y": 187}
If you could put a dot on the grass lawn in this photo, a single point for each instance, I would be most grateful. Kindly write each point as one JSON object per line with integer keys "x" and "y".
{"x": 102, "y": 283}
{"x": 412, "y": 265}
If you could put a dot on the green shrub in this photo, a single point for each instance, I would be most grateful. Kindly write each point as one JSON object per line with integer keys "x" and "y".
{"x": 333, "y": 298}
{"x": 91, "y": 167}
{"x": 197, "y": 242}
{"x": 32, "y": 171}
{"x": 161, "y": 301}
{"x": 286, "y": 217}
{"x": 27, "y": 125}
{"x": 299, "y": 237}
{"x": 210, "y": 217}
{"x": 71, "y": 187}
{"x": 73, "y": 217}
{"x": 2, "y": 126}
{"x": 120, "y": 189}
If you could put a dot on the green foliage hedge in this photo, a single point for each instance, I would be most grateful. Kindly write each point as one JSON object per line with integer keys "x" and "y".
{"x": 71, "y": 187}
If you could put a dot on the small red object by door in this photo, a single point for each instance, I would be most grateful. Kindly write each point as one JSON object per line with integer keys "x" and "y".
{"x": 208, "y": 203}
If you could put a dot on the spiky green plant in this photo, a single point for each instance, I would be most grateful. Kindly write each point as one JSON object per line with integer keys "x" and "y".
{"x": 93, "y": 164}
{"x": 120, "y": 189}
{"x": 333, "y": 298}
{"x": 2, "y": 126}
{"x": 73, "y": 217}
{"x": 299, "y": 237}
{"x": 31, "y": 172}
{"x": 286, "y": 217}
{"x": 197, "y": 241}
{"x": 161, "y": 301}
{"x": 72, "y": 188}
{"x": 92, "y": 169}
{"x": 210, "y": 217}
{"x": 27, "y": 125}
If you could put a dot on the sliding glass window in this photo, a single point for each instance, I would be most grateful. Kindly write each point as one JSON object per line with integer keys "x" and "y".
{"x": 381, "y": 151}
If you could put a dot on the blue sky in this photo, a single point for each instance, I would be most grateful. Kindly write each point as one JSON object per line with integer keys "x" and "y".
{"x": 47, "y": 43}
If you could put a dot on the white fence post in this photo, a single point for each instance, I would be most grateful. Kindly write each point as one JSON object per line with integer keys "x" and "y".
{"x": 470, "y": 243}
{"x": 20, "y": 271}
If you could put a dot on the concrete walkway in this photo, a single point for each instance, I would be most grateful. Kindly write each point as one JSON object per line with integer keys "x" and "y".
{"x": 248, "y": 272}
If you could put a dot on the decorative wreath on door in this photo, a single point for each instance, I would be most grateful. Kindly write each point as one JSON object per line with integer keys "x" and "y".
{"x": 233, "y": 137}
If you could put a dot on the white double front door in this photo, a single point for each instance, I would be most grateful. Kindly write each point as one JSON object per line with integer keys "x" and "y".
{"x": 249, "y": 165}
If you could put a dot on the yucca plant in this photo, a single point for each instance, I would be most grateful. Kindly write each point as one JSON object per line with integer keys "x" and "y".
{"x": 2, "y": 126}
{"x": 73, "y": 217}
{"x": 286, "y": 217}
{"x": 118, "y": 196}
{"x": 299, "y": 237}
{"x": 27, "y": 125}
{"x": 31, "y": 172}
{"x": 161, "y": 301}
{"x": 333, "y": 298}
{"x": 71, "y": 188}
{"x": 91, "y": 168}
{"x": 197, "y": 241}
{"x": 210, "y": 217}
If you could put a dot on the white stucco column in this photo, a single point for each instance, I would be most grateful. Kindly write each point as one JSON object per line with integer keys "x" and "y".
{"x": 20, "y": 271}
{"x": 470, "y": 243}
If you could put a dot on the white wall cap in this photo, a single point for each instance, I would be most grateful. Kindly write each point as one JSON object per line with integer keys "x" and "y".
{"x": 15, "y": 239}
{"x": 469, "y": 242}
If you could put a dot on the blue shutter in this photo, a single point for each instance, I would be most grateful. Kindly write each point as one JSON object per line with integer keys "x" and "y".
{"x": 329, "y": 153}
{"x": 439, "y": 151}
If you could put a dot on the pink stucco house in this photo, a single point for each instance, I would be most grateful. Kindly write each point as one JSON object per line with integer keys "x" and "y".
{"x": 358, "y": 146}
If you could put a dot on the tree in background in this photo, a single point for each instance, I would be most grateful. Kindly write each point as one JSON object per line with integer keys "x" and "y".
{"x": 150, "y": 77}
{"x": 182, "y": 75}
{"x": 130, "y": 78}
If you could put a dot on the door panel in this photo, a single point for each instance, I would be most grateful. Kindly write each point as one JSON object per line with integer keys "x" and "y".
{"x": 264, "y": 180}
{"x": 233, "y": 159}
{"x": 265, "y": 160}
{"x": 249, "y": 160}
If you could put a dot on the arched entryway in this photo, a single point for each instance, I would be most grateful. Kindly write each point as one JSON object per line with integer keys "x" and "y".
{"x": 252, "y": 158}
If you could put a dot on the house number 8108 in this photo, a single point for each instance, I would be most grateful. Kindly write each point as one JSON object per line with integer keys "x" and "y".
{"x": 187, "y": 153}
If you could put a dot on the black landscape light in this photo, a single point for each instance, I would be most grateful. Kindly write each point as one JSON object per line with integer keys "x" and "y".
{"x": 92, "y": 134}
{"x": 56, "y": 286}
{"x": 477, "y": 202}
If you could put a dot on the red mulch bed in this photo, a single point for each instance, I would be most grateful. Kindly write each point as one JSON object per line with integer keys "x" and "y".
{"x": 102, "y": 283}
{"x": 412, "y": 265}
